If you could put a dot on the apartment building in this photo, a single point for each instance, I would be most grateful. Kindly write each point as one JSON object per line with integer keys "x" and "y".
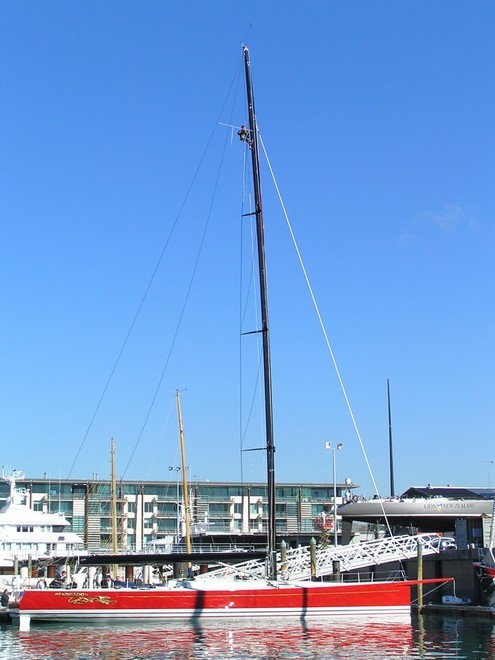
{"x": 146, "y": 512}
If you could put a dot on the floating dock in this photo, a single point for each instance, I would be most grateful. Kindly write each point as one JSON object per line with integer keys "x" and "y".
{"x": 455, "y": 610}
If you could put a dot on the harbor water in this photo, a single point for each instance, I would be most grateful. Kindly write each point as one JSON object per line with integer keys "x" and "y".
{"x": 417, "y": 637}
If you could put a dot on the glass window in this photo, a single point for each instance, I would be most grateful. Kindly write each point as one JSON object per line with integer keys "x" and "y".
{"x": 167, "y": 507}
{"x": 39, "y": 488}
{"x": 131, "y": 489}
{"x": 163, "y": 490}
{"x": 65, "y": 490}
{"x": 64, "y": 507}
{"x": 219, "y": 508}
{"x": 167, "y": 525}
{"x": 78, "y": 492}
{"x": 100, "y": 488}
{"x": 305, "y": 493}
{"x": 218, "y": 492}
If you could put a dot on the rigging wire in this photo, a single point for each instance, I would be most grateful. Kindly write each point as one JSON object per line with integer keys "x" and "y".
{"x": 323, "y": 329}
{"x": 241, "y": 316}
{"x": 126, "y": 488}
{"x": 251, "y": 294}
{"x": 154, "y": 273}
{"x": 251, "y": 289}
{"x": 156, "y": 454}
{"x": 184, "y": 305}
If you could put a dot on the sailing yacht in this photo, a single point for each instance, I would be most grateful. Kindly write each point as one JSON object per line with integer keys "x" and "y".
{"x": 243, "y": 595}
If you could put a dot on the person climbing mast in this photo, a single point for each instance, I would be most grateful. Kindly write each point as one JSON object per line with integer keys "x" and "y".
{"x": 243, "y": 134}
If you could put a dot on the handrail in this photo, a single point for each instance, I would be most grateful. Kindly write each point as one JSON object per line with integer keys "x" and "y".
{"x": 298, "y": 561}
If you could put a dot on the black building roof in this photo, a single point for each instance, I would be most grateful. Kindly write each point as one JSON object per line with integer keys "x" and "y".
{"x": 457, "y": 492}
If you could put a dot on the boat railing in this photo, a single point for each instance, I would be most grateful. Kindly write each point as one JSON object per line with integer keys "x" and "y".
{"x": 373, "y": 576}
{"x": 175, "y": 548}
{"x": 180, "y": 548}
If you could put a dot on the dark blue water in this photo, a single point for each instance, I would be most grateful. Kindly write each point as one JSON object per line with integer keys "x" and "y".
{"x": 424, "y": 637}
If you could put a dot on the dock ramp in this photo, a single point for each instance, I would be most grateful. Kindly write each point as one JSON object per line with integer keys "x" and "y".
{"x": 301, "y": 563}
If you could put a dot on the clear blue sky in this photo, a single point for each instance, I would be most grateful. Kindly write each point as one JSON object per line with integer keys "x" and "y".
{"x": 378, "y": 118}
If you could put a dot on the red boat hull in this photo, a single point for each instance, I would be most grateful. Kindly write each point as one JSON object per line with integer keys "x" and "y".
{"x": 189, "y": 603}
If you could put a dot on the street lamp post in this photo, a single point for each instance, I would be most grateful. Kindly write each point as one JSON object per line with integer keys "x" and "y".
{"x": 328, "y": 445}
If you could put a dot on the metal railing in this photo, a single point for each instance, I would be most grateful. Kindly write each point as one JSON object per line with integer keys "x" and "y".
{"x": 299, "y": 561}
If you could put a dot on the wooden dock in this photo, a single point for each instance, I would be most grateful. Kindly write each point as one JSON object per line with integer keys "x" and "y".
{"x": 456, "y": 610}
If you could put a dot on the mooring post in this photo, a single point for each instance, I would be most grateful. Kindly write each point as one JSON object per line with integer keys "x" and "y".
{"x": 312, "y": 548}
{"x": 420, "y": 575}
{"x": 283, "y": 556}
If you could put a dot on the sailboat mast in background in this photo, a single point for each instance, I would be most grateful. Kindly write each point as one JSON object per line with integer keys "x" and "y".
{"x": 184, "y": 474}
{"x": 391, "y": 455}
{"x": 114, "y": 505}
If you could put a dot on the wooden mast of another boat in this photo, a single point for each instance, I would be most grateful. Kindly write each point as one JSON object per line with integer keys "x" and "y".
{"x": 260, "y": 234}
{"x": 114, "y": 505}
{"x": 184, "y": 474}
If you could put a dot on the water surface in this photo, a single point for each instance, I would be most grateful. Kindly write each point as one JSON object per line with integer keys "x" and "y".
{"x": 422, "y": 637}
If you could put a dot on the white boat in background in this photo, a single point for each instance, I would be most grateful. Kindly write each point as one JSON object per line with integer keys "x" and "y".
{"x": 407, "y": 511}
{"x": 428, "y": 508}
{"x": 28, "y": 535}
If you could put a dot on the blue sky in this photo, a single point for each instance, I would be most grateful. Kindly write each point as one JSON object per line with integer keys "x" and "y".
{"x": 378, "y": 121}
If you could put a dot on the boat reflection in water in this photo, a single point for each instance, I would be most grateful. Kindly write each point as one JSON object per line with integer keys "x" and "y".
{"x": 295, "y": 639}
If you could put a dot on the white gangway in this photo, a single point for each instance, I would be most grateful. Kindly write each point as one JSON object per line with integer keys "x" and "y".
{"x": 297, "y": 564}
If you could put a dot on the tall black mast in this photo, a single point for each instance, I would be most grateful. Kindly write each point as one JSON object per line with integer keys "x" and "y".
{"x": 270, "y": 447}
{"x": 391, "y": 455}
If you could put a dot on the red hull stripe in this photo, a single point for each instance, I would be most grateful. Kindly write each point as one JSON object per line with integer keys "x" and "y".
{"x": 315, "y": 599}
{"x": 193, "y": 603}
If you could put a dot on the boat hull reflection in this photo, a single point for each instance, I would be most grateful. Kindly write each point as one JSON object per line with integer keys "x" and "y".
{"x": 215, "y": 639}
